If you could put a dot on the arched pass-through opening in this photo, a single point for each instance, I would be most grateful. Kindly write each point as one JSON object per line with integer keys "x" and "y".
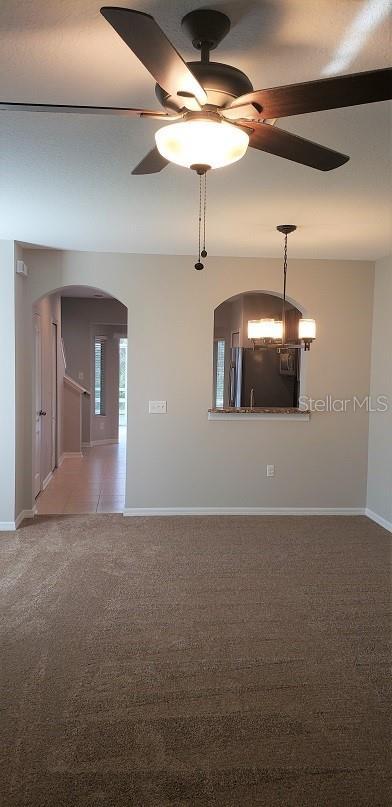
{"x": 247, "y": 377}
{"x": 79, "y": 401}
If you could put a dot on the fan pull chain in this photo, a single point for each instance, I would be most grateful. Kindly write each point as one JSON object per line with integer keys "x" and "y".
{"x": 202, "y": 253}
{"x": 199, "y": 265}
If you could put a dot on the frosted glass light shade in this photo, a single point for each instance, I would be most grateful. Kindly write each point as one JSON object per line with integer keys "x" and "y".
{"x": 307, "y": 329}
{"x": 278, "y": 329}
{"x": 265, "y": 329}
{"x": 202, "y": 142}
{"x": 253, "y": 328}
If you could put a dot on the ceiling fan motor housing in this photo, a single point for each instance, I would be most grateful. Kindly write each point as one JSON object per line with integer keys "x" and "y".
{"x": 221, "y": 82}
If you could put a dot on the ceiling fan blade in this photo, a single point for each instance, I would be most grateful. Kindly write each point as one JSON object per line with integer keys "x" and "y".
{"x": 152, "y": 163}
{"x": 244, "y": 111}
{"x": 162, "y": 116}
{"x": 325, "y": 93}
{"x": 284, "y": 144}
{"x": 10, "y": 106}
{"x": 149, "y": 43}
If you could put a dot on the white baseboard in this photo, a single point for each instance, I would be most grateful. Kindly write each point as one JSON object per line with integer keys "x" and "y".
{"x": 107, "y": 442}
{"x": 60, "y": 461}
{"x": 11, "y": 526}
{"x": 86, "y": 445}
{"x": 244, "y": 511}
{"x": 378, "y": 519}
{"x": 71, "y": 454}
{"x": 25, "y": 514}
{"x": 46, "y": 481}
{"x": 7, "y": 526}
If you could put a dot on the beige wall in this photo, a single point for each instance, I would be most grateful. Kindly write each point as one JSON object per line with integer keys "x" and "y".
{"x": 379, "y": 493}
{"x": 72, "y": 420}
{"x": 181, "y": 459}
{"x": 82, "y": 319}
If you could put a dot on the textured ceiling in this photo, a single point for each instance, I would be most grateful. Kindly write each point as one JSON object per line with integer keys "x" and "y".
{"x": 65, "y": 180}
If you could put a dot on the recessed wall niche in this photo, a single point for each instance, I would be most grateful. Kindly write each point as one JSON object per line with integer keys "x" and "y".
{"x": 247, "y": 376}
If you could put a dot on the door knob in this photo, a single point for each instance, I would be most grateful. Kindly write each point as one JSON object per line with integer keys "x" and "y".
{"x": 41, "y": 412}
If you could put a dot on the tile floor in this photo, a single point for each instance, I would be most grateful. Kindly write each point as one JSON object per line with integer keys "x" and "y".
{"x": 94, "y": 483}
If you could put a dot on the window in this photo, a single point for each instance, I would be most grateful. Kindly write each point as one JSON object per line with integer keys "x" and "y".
{"x": 220, "y": 373}
{"x": 99, "y": 375}
{"x": 122, "y": 389}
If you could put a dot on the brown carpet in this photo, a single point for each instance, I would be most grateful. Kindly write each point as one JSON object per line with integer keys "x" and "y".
{"x": 195, "y": 661}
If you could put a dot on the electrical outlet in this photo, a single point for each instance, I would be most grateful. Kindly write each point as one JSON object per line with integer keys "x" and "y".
{"x": 81, "y": 375}
{"x": 157, "y": 407}
{"x": 270, "y": 470}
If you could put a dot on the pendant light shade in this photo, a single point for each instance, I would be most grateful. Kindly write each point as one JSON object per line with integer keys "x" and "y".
{"x": 253, "y": 328}
{"x": 260, "y": 328}
{"x": 271, "y": 329}
{"x": 307, "y": 329}
{"x": 202, "y": 142}
{"x": 278, "y": 329}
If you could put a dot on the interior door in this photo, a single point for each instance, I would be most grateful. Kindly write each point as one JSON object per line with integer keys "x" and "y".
{"x": 37, "y": 404}
{"x": 54, "y": 396}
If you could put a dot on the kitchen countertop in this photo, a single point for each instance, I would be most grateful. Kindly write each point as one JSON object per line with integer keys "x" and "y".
{"x": 258, "y": 410}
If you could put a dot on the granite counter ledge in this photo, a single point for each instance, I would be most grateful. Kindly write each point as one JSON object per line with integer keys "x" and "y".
{"x": 258, "y": 412}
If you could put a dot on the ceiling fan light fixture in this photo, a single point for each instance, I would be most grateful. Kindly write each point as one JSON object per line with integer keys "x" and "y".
{"x": 202, "y": 142}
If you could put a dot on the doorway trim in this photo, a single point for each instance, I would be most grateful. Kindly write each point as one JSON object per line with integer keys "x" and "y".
{"x": 54, "y": 395}
{"x": 37, "y": 405}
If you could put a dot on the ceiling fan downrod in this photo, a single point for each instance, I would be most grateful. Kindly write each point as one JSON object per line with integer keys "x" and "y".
{"x": 205, "y": 28}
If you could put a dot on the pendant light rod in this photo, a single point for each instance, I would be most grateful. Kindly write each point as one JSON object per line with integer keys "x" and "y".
{"x": 285, "y": 229}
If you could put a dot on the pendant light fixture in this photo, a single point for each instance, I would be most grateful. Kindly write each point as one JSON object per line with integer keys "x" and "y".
{"x": 268, "y": 332}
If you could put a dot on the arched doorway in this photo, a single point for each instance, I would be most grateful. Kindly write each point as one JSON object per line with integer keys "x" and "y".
{"x": 79, "y": 401}
{"x": 244, "y": 376}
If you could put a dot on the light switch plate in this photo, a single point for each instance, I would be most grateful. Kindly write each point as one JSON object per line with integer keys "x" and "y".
{"x": 157, "y": 407}
{"x": 270, "y": 470}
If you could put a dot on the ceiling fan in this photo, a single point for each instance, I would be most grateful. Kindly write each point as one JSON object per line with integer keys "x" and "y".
{"x": 211, "y": 108}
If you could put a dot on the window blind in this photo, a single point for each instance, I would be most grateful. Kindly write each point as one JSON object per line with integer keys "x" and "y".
{"x": 220, "y": 373}
{"x": 99, "y": 375}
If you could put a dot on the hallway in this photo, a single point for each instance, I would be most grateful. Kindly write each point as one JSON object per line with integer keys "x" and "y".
{"x": 94, "y": 483}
